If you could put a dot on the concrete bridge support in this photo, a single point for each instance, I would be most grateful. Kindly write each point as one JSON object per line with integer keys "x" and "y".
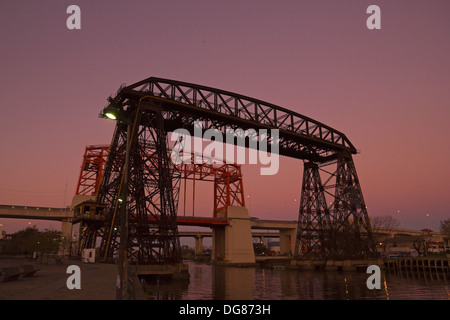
{"x": 198, "y": 250}
{"x": 232, "y": 244}
{"x": 66, "y": 233}
{"x": 287, "y": 241}
{"x": 66, "y": 228}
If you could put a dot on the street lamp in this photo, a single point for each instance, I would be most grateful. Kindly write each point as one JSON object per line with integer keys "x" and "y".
{"x": 401, "y": 219}
{"x": 111, "y": 116}
{"x": 112, "y": 112}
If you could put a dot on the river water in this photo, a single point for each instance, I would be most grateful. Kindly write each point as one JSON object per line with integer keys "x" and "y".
{"x": 212, "y": 282}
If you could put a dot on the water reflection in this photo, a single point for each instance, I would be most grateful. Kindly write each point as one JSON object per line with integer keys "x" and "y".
{"x": 232, "y": 283}
{"x": 210, "y": 282}
{"x": 164, "y": 289}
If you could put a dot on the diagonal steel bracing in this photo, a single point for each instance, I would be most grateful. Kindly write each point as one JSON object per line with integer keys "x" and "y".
{"x": 153, "y": 189}
{"x": 333, "y": 221}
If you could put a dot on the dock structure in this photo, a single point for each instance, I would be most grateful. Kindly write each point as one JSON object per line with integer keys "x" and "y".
{"x": 336, "y": 265}
{"x": 424, "y": 267}
{"x": 427, "y": 267}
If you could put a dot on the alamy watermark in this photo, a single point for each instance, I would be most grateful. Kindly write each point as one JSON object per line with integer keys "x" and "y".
{"x": 74, "y": 280}
{"x": 258, "y": 143}
{"x": 373, "y": 22}
{"x": 73, "y": 22}
{"x": 374, "y": 280}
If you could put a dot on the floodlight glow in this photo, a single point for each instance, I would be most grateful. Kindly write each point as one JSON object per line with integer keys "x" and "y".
{"x": 110, "y": 115}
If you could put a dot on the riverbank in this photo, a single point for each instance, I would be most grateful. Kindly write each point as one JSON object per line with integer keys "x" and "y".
{"x": 98, "y": 282}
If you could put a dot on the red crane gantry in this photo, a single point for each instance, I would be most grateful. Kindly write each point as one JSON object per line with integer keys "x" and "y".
{"x": 227, "y": 178}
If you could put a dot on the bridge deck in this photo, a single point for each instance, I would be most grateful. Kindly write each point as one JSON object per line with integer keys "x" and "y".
{"x": 60, "y": 214}
{"x": 39, "y": 213}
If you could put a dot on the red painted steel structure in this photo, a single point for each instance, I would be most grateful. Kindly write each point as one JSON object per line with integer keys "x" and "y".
{"x": 227, "y": 178}
{"x": 94, "y": 159}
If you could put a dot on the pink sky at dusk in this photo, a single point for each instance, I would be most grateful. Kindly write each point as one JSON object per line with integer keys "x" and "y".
{"x": 388, "y": 90}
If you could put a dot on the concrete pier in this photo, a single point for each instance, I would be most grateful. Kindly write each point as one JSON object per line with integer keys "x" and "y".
{"x": 233, "y": 243}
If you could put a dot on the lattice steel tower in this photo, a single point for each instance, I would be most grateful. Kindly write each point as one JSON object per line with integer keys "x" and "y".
{"x": 333, "y": 222}
{"x": 152, "y": 192}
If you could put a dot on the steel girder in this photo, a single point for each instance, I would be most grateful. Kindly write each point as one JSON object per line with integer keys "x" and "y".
{"x": 183, "y": 103}
{"x": 338, "y": 230}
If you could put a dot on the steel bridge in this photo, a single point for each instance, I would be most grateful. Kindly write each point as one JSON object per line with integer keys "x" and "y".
{"x": 332, "y": 223}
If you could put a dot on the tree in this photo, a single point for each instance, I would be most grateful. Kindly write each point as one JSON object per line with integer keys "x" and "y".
{"x": 30, "y": 239}
{"x": 387, "y": 222}
{"x": 22, "y": 242}
{"x": 48, "y": 241}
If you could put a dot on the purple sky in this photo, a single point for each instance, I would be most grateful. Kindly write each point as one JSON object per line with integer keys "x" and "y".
{"x": 387, "y": 90}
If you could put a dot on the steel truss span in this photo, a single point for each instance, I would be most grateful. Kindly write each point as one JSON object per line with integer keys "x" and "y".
{"x": 183, "y": 103}
{"x": 155, "y": 107}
